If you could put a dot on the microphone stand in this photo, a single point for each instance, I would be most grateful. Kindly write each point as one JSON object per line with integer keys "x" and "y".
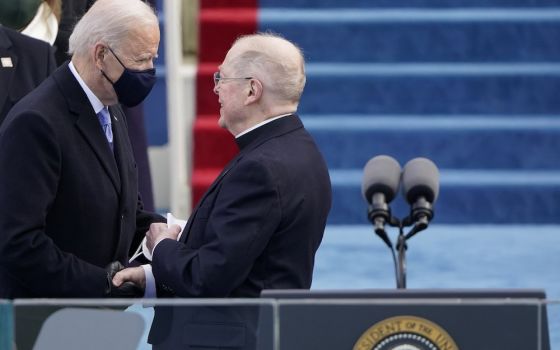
{"x": 379, "y": 214}
{"x": 401, "y": 249}
{"x": 420, "y": 224}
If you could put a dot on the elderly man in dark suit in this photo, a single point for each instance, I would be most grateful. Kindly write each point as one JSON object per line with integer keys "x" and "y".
{"x": 72, "y": 10}
{"x": 24, "y": 63}
{"x": 260, "y": 223}
{"x": 69, "y": 208}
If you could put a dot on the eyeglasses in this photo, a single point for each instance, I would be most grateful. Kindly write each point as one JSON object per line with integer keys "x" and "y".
{"x": 217, "y": 78}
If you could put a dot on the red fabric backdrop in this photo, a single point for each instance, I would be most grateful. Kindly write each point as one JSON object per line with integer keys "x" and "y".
{"x": 220, "y": 23}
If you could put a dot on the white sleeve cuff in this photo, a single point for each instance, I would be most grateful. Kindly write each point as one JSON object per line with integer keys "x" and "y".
{"x": 155, "y": 245}
{"x": 150, "y": 291}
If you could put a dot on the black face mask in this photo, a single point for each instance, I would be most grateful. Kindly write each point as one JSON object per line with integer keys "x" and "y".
{"x": 134, "y": 85}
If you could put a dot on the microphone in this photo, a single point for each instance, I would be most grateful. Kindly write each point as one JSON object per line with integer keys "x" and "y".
{"x": 379, "y": 186}
{"x": 421, "y": 188}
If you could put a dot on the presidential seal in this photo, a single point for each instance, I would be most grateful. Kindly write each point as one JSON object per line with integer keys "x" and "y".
{"x": 405, "y": 333}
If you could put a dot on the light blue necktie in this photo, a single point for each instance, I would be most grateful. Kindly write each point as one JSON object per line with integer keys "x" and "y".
{"x": 105, "y": 120}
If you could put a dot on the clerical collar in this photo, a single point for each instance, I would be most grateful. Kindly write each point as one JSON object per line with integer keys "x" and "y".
{"x": 261, "y": 124}
{"x": 250, "y": 135}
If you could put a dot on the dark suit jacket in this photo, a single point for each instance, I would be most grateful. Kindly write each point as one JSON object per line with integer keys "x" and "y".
{"x": 258, "y": 226}
{"x": 68, "y": 205}
{"x": 32, "y": 60}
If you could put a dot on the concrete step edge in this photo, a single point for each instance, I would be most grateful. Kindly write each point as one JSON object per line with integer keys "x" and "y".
{"x": 459, "y": 177}
{"x": 391, "y": 15}
{"x": 353, "y": 122}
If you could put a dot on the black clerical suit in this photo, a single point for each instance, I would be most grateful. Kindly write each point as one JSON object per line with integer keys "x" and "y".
{"x": 68, "y": 204}
{"x": 257, "y": 227}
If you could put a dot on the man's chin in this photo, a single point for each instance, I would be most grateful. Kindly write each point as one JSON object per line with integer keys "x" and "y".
{"x": 222, "y": 123}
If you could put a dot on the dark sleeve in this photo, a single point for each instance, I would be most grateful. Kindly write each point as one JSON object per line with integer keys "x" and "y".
{"x": 237, "y": 229}
{"x": 30, "y": 163}
{"x": 143, "y": 221}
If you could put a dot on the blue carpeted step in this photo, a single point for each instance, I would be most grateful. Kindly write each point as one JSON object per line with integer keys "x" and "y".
{"x": 404, "y": 3}
{"x": 466, "y": 197}
{"x": 161, "y": 49}
{"x": 159, "y": 4}
{"x": 461, "y": 142}
{"x": 155, "y": 111}
{"x": 155, "y": 105}
{"x": 432, "y": 89}
{"x": 419, "y": 35}
{"x": 470, "y": 84}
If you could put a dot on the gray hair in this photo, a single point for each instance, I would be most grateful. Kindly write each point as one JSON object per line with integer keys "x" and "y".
{"x": 109, "y": 21}
{"x": 276, "y": 61}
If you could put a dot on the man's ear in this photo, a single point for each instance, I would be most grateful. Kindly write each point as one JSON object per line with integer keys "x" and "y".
{"x": 99, "y": 52}
{"x": 255, "y": 91}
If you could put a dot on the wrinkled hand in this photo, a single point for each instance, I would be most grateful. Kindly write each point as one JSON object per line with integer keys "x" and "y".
{"x": 159, "y": 231}
{"x": 122, "y": 290}
{"x": 131, "y": 275}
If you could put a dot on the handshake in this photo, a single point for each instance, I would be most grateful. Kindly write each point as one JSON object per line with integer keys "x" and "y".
{"x": 126, "y": 289}
{"x": 131, "y": 282}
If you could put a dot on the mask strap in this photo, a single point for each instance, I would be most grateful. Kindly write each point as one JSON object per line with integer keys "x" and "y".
{"x": 117, "y": 57}
{"x": 106, "y": 77}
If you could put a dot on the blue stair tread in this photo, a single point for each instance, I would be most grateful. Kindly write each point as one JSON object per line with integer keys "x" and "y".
{"x": 378, "y": 92}
{"x": 160, "y": 60}
{"x": 468, "y": 203}
{"x": 449, "y": 148}
{"x": 404, "y": 3}
{"x": 155, "y": 111}
{"x": 433, "y": 69}
{"x": 465, "y": 178}
{"x": 346, "y": 14}
{"x": 338, "y": 122}
{"x": 155, "y": 105}
{"x": 422, "y": 41}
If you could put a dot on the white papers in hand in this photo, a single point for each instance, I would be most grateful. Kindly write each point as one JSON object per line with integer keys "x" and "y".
{"x": 171, "y": 220}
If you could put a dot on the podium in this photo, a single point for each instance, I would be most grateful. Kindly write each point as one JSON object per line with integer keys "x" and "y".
{"x": 294, "y": 320}
{"x": 411, "y": 319}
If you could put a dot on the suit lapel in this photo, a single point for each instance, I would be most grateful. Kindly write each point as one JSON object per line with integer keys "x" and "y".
{"x": 215, "y": 183}
{"x": 87, "y": 122}
{"x": 120, "y": 137}
{"x": 6, "y": 73}
{"x": 257, "y": 137}
{"x": 90, "y": 129}
{"x": 263, "y": 133}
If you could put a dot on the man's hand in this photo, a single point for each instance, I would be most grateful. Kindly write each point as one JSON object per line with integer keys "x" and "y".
{"x": 122, "y": 290}
{"x": 159, "y": 231}
{"x": 132, "y": 275}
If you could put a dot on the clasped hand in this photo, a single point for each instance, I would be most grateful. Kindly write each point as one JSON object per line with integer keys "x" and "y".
{"x": 136, "y": 275}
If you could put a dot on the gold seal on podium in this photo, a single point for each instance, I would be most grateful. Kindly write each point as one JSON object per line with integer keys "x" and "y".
{"x": 405, "y": 333}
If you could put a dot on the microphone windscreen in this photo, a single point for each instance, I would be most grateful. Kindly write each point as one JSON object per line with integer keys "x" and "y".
{"x": 420, "y": 179}
{"x": 381, "y": 174}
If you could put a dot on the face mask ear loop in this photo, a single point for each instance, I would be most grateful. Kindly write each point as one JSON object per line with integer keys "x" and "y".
{"x": 117, "y": 57}
{"x": 106, "y": 77}
{"x": 101, "y": 70}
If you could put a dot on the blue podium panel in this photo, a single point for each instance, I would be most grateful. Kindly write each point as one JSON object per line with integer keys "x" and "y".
{"x": 412, "y": 319}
